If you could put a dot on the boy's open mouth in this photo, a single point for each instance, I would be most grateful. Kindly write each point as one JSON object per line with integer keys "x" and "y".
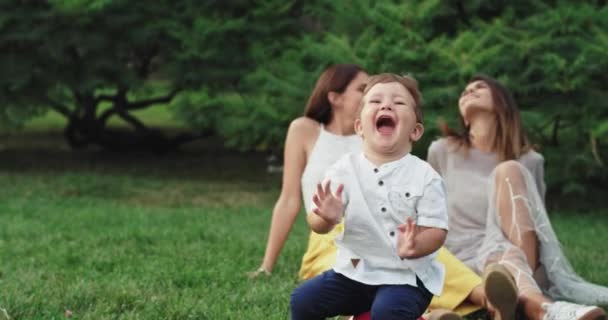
{"x": 385, "y": 124}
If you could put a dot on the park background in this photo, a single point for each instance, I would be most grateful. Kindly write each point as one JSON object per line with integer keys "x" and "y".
{"x": 137, "y": 138}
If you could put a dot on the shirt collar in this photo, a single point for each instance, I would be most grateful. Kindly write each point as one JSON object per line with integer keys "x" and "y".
{"x": 386, "y": 167}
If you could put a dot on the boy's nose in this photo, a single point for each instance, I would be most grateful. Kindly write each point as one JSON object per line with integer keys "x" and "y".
{"x": 386, "y": 106}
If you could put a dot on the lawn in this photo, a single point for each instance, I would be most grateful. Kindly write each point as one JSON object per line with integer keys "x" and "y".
{"x": 134, "y": 237}
{"x": 110, "y": 236}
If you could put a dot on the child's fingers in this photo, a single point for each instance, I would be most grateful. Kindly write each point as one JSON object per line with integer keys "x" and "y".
{"x": 320, "y": 191}
{"x": 410, "y": 222}
{"x": 339, "y": 191}
{"x": 406, "y": 228}
{"x": 402, "y": 227}
{"x": 316, "y": 211}
{"x": 326, "y": 188}
{"x": 316, "y": 201}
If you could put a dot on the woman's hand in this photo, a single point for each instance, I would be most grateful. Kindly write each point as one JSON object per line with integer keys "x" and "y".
{"x": 328, "y": 206}
{"x": 260, "y": 272}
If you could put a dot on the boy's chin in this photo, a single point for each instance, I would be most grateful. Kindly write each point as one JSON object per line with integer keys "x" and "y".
{"x": 387, "y": 147}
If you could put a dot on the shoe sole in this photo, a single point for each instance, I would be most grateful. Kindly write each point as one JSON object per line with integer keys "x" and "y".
{"x": 444, "y": 315}
{"x": 450, "y": 316}
{"x": 501, "y": 292}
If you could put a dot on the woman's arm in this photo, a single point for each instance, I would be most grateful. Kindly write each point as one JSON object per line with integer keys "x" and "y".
{"x": 539, "y": 177}
{"x": 300, "y": 132}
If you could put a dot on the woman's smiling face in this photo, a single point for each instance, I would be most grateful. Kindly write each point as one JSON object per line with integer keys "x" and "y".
{"x": 476, "y": 97}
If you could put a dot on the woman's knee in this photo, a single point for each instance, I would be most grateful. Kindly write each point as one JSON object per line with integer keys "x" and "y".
{"x": 509, "y": 173}
{"x": 509, "y": 169}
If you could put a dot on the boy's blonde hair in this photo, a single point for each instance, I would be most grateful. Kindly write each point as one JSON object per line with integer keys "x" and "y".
{"x": 410, "y": 84}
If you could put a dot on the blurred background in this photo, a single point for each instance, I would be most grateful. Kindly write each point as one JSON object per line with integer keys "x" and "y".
{"x": 154, "y": 76}
{"x": 171, "y": 116}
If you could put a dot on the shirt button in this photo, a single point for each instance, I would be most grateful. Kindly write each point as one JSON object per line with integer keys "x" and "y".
{"x": 383, "y": 209}
{"x": 392, "y": 233}
{"x": 380, "y": 182}
{"x": 407, "y": 194}
{"x": 375, "y": 169}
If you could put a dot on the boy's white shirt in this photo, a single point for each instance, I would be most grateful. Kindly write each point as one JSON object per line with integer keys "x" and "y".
{"x": 377, "y": 200}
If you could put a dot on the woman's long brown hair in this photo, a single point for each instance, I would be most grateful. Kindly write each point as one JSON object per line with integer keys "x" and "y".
{"x": 334, "y": 79}
{"x": 510, "y": 140}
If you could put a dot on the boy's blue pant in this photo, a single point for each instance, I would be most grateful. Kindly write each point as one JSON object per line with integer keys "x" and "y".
{"x": 331, "y": 294}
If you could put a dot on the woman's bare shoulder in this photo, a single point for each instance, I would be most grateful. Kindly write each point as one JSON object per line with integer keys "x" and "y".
{"x": 304, "y": 127}
{"x": 304, "y": 123}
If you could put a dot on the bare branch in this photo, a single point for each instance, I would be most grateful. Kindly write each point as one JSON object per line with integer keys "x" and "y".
{"x": 139, "y": 126}
{"x": 104, "y": 97}
{"x": 594, "y": 150}
{"x": 462, "y": 14}
{"x": 145, "y": 103}
{"x": 103, "y": 118}
{"x": 556, "y": 125}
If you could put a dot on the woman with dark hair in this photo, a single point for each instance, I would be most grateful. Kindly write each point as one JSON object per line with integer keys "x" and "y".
{"x": 314, "y": 142}
{"x": 495, "y": 190}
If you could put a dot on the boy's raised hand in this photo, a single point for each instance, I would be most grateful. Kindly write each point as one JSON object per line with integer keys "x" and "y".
{"x": 406, "y": 244}
{"x": 328, "y": 206}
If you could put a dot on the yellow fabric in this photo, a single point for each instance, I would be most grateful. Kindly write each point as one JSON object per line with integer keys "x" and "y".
{"x": 321, "y": 253}
{"x": 459, "y": 282}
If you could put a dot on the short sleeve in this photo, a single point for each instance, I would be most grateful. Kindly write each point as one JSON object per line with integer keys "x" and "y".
{"x": 432, "y": 207}
{"x": 539, "y": 176}
{"x": 535, "y": 163}
{"x": 436, "y": 155}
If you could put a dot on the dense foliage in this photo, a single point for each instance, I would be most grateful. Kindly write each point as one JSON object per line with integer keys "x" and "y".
{"x": 553, "y": 55}
{"x": 242, "y": 70}
{"x": 92, "y": 60}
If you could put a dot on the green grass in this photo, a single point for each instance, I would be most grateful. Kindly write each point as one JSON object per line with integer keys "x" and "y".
{"x": 111, "y": 236}
{"x": 133, "y": 237}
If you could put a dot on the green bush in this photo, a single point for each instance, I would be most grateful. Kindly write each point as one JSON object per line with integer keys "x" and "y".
{"x": 552, "y": 55}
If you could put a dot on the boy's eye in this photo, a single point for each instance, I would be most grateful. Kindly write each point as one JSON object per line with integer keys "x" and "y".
{"x": 400, "y": 102}
{"x": 374, "y": 101}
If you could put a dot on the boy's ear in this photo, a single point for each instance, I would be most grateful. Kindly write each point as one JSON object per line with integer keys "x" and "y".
{"x": 417, "y": 132}
{"x": 358, "y": 127}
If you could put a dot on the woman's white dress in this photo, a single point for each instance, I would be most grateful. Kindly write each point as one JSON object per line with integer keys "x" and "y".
{"x": 475, "y": 235}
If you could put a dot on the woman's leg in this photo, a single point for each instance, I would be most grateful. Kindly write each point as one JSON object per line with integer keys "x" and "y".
{"x": 516, "y": 222}
{"x": 514, "y": 210}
